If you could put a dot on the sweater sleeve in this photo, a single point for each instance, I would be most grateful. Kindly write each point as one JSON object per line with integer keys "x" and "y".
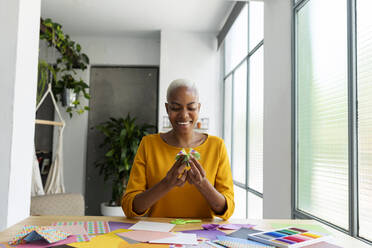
{"x": 224, "y": 183}
{"x": 137, "y": 181}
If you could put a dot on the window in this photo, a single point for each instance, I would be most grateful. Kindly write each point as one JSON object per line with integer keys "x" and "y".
{"x": 243, "y": 108}
{"x": 364, "y": 93}
{"x": 333, "y": 134}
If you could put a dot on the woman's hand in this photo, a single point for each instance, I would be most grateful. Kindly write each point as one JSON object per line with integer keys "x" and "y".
{"x": 176, "y": 176}
{"x": 196, "y": 175}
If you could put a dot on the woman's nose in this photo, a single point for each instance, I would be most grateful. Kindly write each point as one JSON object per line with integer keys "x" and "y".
{"x": 184, "y": 113}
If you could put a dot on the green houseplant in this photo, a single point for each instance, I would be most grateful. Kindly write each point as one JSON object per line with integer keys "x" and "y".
{"x": 62, "y": 73}
{"x": 121, "y": 140}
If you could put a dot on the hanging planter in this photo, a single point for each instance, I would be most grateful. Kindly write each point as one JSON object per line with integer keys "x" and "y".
{"x": 63, "y": 72}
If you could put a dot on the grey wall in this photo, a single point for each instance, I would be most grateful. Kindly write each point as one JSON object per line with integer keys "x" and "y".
{"x": 277, "y": 110}
{"x": 115, "y": 92}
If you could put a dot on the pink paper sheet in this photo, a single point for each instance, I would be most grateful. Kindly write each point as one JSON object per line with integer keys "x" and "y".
{"x": 145, "y": 236}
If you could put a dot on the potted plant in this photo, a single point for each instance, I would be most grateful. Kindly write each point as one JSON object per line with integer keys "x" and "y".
{"x": 121, "y": 140}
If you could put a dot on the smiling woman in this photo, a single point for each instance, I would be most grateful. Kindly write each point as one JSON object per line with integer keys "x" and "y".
{"x": 161, "y": 186}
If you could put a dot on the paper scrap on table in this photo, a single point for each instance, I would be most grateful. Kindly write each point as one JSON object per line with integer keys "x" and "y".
{"x": 209, "y": 234}
{"x": 78, "y": 230}
{"x": 73, "y": 229}
{"x": 242, "y": 241}
{"x": 312, "y": 227}
{"x": 92, "y": 227}
{"x": 322, "y": 244}
{"x": 44, "y": 243}
{"x": 145, "y": 236}
{"x": 33, "y": 233}
{"x": 152, "y": 226}
{"x": 104, "y": 240}
{"x": 179, "y": 238}
{"x": 226, "y": 226}
{"x": 243, "y": 233}
{"x": 128, "y": 240}
{"x": 114, "y": 225}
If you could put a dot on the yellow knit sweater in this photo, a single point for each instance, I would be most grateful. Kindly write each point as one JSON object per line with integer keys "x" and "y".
{"x": 153, "y": 160}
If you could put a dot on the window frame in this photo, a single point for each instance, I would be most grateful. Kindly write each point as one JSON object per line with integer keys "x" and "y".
{"x": 231, "y": 73}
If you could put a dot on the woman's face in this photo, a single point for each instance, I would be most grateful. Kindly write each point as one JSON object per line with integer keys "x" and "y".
{"x": 183, "y": 109}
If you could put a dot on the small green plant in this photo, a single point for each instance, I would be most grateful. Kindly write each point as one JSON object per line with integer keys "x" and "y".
{"x": 121, "y": 140}
{"x": 63, "y": 71}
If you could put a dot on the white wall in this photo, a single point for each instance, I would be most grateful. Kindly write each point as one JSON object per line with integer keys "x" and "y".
{"x": 138, "y": 49}
{"x": 19, "y": 24}
{"x": 277, "y": 110}
{"x": 193, "y": 56}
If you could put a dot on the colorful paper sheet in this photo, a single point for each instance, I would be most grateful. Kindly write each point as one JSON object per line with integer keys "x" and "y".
{"x": 128, "y": 240}
{"x": 315, "y": 228}
{"x": 119, "y": 225}
{"x": 152, "y": 226}
{"x": 44, "y": 244}
{"x": 145, "y": 236}
{"x": 209, "y": 234}
{"x": 33, "y": 233}
{"x": 78, "y": 230}
{"x": 243, "y": 233}
{"x": 236, "y": 241}
{"x": 104, "y": 240}
{"x": 92, "y": 227}
{"x": 226, "y": 226}
{"x": 322, "y": 244}
{"x": 179, "y": 238}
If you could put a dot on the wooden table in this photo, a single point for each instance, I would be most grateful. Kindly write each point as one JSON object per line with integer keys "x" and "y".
{"x": 341, "y": 239}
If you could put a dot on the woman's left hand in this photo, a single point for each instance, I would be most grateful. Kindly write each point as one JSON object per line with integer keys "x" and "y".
{"x": 196, "y": 175}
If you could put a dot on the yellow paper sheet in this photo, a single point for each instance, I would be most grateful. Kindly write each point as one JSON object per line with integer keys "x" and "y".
{"x": 104, "y": 240}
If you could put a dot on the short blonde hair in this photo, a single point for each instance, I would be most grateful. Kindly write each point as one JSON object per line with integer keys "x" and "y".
{"x": 179, "y": 83}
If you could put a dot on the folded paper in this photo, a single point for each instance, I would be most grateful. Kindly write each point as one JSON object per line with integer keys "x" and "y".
{"x": 33, "y": 233}
{"x": 186, "y": 156}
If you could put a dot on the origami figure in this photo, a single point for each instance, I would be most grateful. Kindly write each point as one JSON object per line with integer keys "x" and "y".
{"x": 186, "y": 156}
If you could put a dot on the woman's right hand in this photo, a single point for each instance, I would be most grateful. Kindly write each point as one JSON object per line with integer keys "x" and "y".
{"x": 176, "y": 176}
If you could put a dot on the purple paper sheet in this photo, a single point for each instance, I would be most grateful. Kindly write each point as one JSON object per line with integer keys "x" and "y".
{"x": 234, "y": 226}
{"x": 209, "y": 234}
{"x": 44, "y": 243}
{"x": 119, "y": 225}
{"x": 226, "y": 226}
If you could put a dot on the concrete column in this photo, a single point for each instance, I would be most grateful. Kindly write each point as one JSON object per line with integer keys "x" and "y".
{"x": 19, "y": 25}
{"x": 277, "y": 110}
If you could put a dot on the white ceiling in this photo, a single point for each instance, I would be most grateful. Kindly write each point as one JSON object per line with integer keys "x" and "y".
{"x": 116, "y": 17}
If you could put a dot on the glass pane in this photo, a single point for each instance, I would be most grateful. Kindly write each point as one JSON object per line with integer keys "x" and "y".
{"x": 255, "y": 134}
{"x": 227, "y": 114}
{"x": 236, "y": 41}
{"x": 322, "y": 120}
{"x": 364, "y": 53}
{"x": 254, "y": 206}
{"x": 240, "y": 197}
{"x": 256, "y": 23}
{"x": 239, "y": 148}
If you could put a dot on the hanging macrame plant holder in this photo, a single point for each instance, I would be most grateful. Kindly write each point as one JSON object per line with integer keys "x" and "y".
{"x": 54, "y": 183}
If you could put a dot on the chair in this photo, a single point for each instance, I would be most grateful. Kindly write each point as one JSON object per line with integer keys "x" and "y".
{"x": 58, "y": 204}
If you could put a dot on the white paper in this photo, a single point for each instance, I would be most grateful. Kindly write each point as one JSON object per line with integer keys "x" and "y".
{"x": 152, "y": 226}
{"x": 180, "y": 238}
